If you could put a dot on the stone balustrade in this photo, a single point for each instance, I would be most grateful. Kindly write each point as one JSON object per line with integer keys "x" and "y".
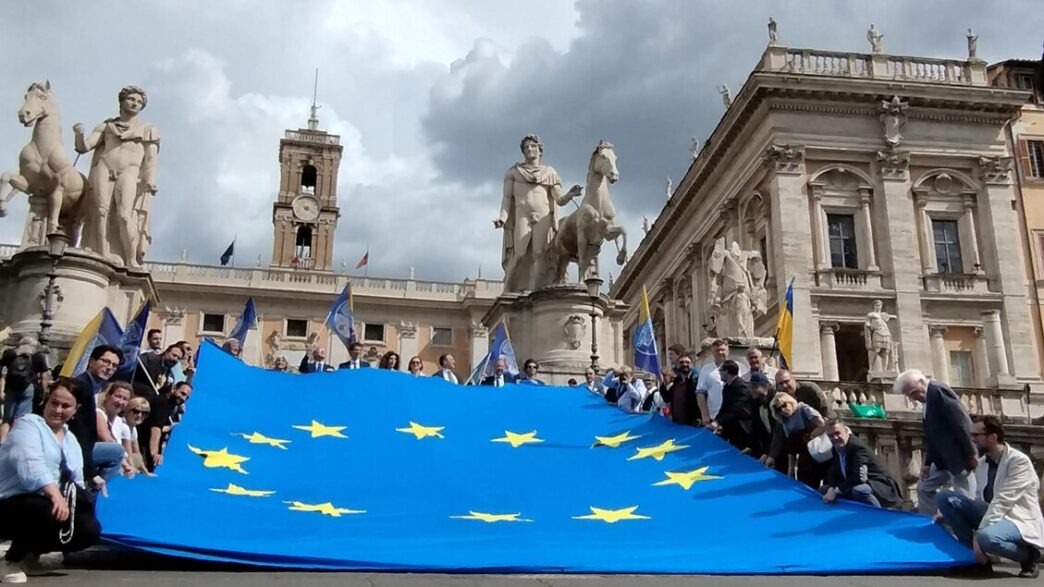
{"x": 880, "y": 66}
{"x": 307, "y": 137}
{"x": 6, "y": 251}
{"x": 849, "y": 279}
{"x": 956, "y": 283}
{"x": 1012, "y": 405}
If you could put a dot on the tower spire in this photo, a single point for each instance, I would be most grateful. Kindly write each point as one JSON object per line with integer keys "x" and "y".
{"x": 313, "y": 120}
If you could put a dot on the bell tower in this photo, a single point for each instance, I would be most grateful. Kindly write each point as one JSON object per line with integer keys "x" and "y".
{"x": 305, "y": 213}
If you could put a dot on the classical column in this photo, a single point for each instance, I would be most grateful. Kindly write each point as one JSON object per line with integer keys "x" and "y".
{"x": 940, "y": 359}
{"x": 173, "y": 324}
{"x": 972, "y": 241}
{"x": 670, "y": 330}
{"x": 407, "y": 342}
{"x": 479, "y": 343}
{"x": 696, "y": 315}
{"x": 928, "y": 265}
{"x": 996, "y": 353}
{"x": 981, "y": 358}
{"x": 865, "y": 195}
{"x": 829, "y": 349}
{"x": 820, "y": 238}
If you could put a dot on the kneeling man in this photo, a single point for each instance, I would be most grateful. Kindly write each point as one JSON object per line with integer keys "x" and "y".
{"x": 855, "y": 473}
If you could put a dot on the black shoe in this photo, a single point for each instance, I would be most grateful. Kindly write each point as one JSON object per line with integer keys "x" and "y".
{"x": 1029, "y": 568}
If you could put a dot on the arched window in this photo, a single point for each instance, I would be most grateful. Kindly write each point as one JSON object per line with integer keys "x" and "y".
{"x": 309, "y": 176}
{"x": 303, "y": 245}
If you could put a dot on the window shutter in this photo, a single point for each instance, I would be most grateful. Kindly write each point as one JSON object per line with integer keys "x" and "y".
{"x": 1025, "y": 165}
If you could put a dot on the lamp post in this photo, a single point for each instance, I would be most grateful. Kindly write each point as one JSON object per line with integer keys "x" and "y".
{"x": 594, "y": 288}
{"x": 56, "y": 243}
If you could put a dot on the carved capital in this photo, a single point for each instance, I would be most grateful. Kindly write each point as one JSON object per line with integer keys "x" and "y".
{"x": 978, "y": 332}
{"x": 829, "y": 327}
{"x": 173, "y": 315}
{"x": 995, "y": 169}
{"x": 692, "y": 251}
{"x": 936, "y": 330}
{"x": 784, "y": 158}
{"x": 407, "y": 329}
{"x": 866, "y": 196}
{"x": 894, "y": 164}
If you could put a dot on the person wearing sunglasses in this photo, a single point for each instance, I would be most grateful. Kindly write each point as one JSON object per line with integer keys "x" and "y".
{"x": 529, "y": 373}
{"x": 415, "y": 367}
{"x": 134, "y": 414}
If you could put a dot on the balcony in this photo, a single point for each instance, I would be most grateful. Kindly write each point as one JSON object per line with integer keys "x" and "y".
{"x": 956, "y": 283}
{"x": 876, "y": 66}
{"x": 858, "y": 280}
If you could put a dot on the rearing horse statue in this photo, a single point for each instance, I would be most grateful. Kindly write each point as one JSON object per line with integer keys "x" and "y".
{"x": 581, "y": 234}
{"x": 43, "y": 168}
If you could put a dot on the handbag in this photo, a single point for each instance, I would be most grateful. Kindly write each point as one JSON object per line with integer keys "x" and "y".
{"x": 79, "y": 501}
{"x": 821, "y": 449}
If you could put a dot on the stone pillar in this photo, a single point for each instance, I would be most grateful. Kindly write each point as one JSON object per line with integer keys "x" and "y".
{"x": 973, "y": 264}
{"x": 479, "y": 344}
{"x": 820, "y": 240}
{"x": 865, "y": 195}
{"x": 981, "y": 358}
{"x": 899, "y": 236}
{"x": 996, "y": 353}
{"x": 940, "y": 358}
{"x": 928, "y": 265}
{"x": 670, "y": 330}
{"x": 829, "y": 348}
{"x": 696, "y": 313}
{"x": 407, "y": 342}
{"x": 173, "y": 324}
{"x": 792, "y": 251}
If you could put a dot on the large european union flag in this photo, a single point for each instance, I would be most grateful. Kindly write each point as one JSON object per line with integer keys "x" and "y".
{"x": 371, "y": 469}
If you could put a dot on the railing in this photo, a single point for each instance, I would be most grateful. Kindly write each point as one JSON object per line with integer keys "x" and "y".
{"x": 956, "y": 283}
{"x": 874, "y": 66}
{"x": 828, "y": 63}
{"x": 928, "y": 70}
{"x": 7, "y": 251}
{"x": 851, "y": 279}
{"x": 1012, "y": 405}
{"x": 308, "y": 137}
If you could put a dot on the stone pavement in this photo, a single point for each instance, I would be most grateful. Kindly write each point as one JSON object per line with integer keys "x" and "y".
{"x": 106, "y": 569}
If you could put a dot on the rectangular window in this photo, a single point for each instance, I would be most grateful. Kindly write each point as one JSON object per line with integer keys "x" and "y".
{"x": 1024, "y": 81}
{"x": 441, "y": 336}
{"x": 373, "y": 332}
{"x": 841, "y": 229}
{"x": 763, "y": 247}
{"x": 1035, "y": 161}
{"x": 214, "y": 323}
{"x": 947, "y": 246}
{"x": 961, "y": 369}
{"x": 296, "y": 328}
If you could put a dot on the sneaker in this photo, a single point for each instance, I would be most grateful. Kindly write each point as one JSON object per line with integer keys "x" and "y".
{"x": 1029, "y": 568}
{"x": 11, "y": 572}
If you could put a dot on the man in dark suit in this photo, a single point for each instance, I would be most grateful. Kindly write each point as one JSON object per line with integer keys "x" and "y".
{"x": 354, "y": 358}
{"x": 317, "y": 364}
{"x": 681, "y": 395}
{"x": 733, "y": 422}
{"x": 154, "y": 373}
{"x": 101, "y": 365}
{"x": 950, "y": 457}
{"x": 446, "y": 365}
{"x": 855, "y": 473}
{"x": 500, "y": 376}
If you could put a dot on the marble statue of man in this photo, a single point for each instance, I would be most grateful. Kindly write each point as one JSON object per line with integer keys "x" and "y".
{"x": 973, "y": 45}
{"x": 874, "y": 36}
{"x": 878, "y": 338}
{"x": 122, "y": 179}
{"x": 529, "y": 217}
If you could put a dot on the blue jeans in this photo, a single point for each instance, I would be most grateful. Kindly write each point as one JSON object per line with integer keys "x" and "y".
{"x": 107, "y": 458}
{"x": 964, "y": 515}
{"x": 861, "y": 493}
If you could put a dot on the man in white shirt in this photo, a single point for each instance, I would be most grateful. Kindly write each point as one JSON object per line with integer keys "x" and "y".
{"x": 756, "y": 362}
{"x": 500, "y": 375}
{"x": 446, "y": 365}
{"x": 709, "y": 385}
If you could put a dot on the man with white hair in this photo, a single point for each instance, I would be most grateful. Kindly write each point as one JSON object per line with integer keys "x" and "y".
{"x": 757, "y": 364}
{"x": 950, "y": 456}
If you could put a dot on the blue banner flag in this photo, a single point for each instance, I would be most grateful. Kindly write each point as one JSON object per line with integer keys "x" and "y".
{"x": 247, "y": 321}
{"x": 430, "y": 476}
{"x": 101, "y": 330}
{"x": 340, "y": 318}
{"x": 130, "y": 341}
{"x": 229, "y": 253}
{"x": 644, "y": 340}
{"x": 499, "y": 348}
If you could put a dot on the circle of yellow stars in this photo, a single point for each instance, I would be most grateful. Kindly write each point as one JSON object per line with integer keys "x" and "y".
{"x": 221, "y": 458}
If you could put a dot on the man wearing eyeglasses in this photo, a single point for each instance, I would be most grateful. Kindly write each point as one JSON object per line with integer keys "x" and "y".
{"x": 101, "y": 366}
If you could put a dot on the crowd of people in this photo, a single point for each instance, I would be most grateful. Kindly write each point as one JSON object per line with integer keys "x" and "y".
{"x": 62, "y": 438}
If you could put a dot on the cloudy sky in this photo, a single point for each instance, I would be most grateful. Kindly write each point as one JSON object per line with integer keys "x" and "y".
{"x": 430, "y": 99}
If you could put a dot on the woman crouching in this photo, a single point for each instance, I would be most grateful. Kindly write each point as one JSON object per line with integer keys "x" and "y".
{"x": 43, "y": 502}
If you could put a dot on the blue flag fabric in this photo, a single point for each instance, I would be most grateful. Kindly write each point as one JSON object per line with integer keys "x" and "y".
{"x": 130, "y": 341}
{"x": 104, "y": 329}
{"x": 430, "y": 476}
{"x": 229, "y": 253}
{"x": 247, "y": 321}
{"x": 499, "y": 348}
{"x": 340, "y": 319}
{"x": 643, "y": 341}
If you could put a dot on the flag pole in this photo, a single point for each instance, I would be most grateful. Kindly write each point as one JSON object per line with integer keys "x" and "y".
{"x": 235, "y": 237}
{"x": 366, "y": 267}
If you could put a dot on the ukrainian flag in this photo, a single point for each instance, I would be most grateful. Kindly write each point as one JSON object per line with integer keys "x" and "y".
{"x": 785, "y": 327}
{"x": 646, "y": 358}
{"x": 102, "y": 329}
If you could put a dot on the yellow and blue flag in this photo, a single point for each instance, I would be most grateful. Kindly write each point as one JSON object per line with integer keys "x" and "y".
{"x": 130, "y": 341}
{"x": 646, "y": 357}
{"x": 785, "y": 327}
{"x": 372, "y": 469}
{"x": 102, "y": 329}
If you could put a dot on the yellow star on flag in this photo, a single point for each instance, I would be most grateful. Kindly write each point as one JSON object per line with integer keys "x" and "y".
{"x": 614, "y": 441}
{"x": 657, "y": 451}
{"x": 612, "y": 516}
{"x": 318, "y": 430}
{"x": 220, "y": 458}
{"x": 421, "y": 431}
{"x": 327, "y": 508}
{"x": 234, "y": 489}
{"x": 516, "y": 440}
{"x": 490, "y": 518}
{"x": 686, "y": 478}
{"x": 258, "y": 438}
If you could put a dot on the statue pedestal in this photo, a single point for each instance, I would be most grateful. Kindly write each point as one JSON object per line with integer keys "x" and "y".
{"x": 86, "y": 283}
{"x": 553, "y": 327}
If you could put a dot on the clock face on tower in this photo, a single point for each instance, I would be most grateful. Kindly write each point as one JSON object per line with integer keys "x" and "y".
{"x": 306, "y": 208}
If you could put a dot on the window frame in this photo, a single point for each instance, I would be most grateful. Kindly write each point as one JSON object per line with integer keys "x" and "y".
{"x": 286, "y": 327}
{"x": 367, "y": 325}
{"x": 203, "y": 322}
{"x": 956, "y": 244}
{"x": 432, "y": 337}
{"x": 852, "y": 238}
{"x": 971, "y": 367}
{"x": 1031, "y": 173}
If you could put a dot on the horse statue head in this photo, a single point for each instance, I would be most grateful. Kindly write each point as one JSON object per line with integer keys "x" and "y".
{"x": 603, "y": 161}
{"x": 39, "y": 103}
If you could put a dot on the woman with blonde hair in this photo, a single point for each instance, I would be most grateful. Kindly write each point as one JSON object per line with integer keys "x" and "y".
{"x": 798, "y": 423}
{"x": 112, "y": 430}
{"x": 134, "y": 415}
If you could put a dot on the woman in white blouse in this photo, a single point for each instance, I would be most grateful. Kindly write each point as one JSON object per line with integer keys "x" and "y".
{"x": 134, "y": 415}
{"x": 112, "y": 428}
